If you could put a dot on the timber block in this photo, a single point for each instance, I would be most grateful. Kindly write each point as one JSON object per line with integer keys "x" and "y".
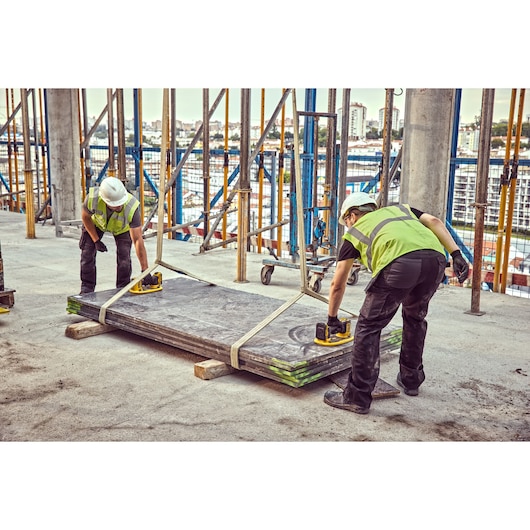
{"x": 211, "y": 369}
{"x": 89, "y": 328}
{"x": 7, "y": 298}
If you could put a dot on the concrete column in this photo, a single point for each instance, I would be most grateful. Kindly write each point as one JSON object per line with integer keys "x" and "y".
{"x": 427, "y": 149}
{"x": 64, "y": 154}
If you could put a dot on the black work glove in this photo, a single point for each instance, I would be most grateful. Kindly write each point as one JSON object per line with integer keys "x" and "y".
{"x": 100, "y": 246}
{"x": 335, "y": 325}
{"x": 460, "y": 266}
{"x": 149, "y": 280}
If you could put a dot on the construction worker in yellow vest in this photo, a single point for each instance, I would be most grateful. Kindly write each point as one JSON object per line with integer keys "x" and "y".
{"x": 111, "y": 208}
{"x": 404, "y": 249}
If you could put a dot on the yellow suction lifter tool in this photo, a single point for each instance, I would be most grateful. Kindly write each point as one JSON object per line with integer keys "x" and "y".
{"x": 325, "y": 338}
{"x": 140, "y": 288}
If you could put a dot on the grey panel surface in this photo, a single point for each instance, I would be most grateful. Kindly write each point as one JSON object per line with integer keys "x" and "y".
{"x": 208, "y": 319}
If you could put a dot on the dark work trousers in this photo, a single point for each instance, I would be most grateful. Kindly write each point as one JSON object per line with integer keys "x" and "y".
{"x": 410, "y": 280}
{"x": 88, "y": 260}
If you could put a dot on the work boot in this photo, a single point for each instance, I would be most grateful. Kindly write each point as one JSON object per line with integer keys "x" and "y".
{"x": 336, "y": 399}
{"x": 408, "y": 391}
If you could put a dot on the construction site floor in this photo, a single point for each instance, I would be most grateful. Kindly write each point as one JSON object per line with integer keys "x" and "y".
{"x": 117, "y": 386}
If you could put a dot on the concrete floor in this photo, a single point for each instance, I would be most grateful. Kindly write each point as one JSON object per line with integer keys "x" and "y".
{"x": 120, "y": 387}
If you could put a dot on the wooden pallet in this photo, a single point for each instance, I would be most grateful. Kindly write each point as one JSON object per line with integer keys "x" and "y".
{"x": 207, "y": 320}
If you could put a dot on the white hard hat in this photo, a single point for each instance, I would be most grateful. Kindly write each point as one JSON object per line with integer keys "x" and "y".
{"x": 113, "y": 192}
{"x": 357, "y": 198}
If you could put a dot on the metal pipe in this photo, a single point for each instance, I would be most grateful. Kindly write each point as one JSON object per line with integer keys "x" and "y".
{"x": 206, "y": 157}
{"x": 387, "y": 145}
{"x": 225, "y": 162}
{"x": 110, "y": 132}
{"x": 36, "y": 144}
{"x": 281, "y": 177}
{"x": 244, "y": 187}
{"x": 28, "y": 170}
{"x": 343, "y": 164}
{"x": 261, "y": 171}
{"x": 512, "y": 189}
{"x": 503, "y": 192}
{"x": 172, "y": 154}
{"x": 9, "y": 161}
{"x": 481, "y": 195}
{"x": 15, "y": 149}
{"x": 122, "y": 165}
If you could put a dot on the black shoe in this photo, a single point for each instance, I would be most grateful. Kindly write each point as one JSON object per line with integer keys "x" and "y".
{"x": 408, "y": 391}
{"x": 335, "y": 399}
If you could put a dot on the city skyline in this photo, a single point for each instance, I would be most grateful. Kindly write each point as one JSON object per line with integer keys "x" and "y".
{"x": 189, "y": 103}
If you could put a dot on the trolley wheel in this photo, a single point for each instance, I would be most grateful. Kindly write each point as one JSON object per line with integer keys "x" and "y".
{"x": 266, "y": 274}
{"x": 353, "y": 278}
{"x": 315, "y": 284}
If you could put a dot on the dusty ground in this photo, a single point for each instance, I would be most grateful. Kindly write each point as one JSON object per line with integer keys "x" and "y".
{"x": 120, "y": 387}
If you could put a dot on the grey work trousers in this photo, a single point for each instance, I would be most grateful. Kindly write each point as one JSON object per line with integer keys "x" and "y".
{"x": 88, "y": 260}
{"x": 411, "y": 281}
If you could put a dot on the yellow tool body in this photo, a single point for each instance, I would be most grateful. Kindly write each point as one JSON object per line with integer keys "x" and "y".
{"x": 325, "y": 338}
{"x": 3, "y": 310}
{"x": 139, "y": 288}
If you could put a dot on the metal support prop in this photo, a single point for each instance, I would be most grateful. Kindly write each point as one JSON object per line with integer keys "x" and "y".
{"x": 243, "y": 188}
{"x": 503, "y": 192}
{"x": 481, "y": 195}
{"x": 512, "y": 189}
{"x": 28, "y": 171}
{"x": 387, "y": 146}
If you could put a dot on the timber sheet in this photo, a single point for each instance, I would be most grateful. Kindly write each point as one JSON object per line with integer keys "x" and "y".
{"x": 207, "y": 320}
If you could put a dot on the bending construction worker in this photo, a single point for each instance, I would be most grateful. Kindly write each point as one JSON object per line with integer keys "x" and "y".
{"x": 404, "y": 249}
{"x": 111, "y": 208}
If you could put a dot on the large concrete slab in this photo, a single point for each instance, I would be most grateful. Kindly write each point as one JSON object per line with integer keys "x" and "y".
{"x": 209, "y": 320}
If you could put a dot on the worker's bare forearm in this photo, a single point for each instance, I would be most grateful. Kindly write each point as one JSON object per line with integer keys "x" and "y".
{"x": 139, "y": 247}
{"x": 338, "y": 286}
{"x": 141, "y": 254}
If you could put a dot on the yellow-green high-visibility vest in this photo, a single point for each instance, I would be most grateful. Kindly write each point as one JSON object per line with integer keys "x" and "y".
{"x": 385, "y": 234}
{"x": 119, "y": 222}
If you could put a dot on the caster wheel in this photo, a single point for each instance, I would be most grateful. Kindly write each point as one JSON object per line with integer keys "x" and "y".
{"x": 316, "y": 285}
{"x": 266, "y": 274}
{"x": 354, "y": 277}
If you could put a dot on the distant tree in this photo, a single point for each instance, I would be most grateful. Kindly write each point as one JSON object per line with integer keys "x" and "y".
{"x": 499, "y": 129}
{"x": 274, "y": 134}
{"x": 218, "y": 136}
{"x": 497, "y": 142}
{"x": 372, "y": 134}
{"x": 235, "y": 138}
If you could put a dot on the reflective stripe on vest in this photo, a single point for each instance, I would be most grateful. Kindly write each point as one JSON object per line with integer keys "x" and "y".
{"x": 411, "y": 236}
{"x": 119, "y": 222}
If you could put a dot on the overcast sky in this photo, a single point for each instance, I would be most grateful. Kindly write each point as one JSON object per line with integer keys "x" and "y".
{"x": 189, "y": 103}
